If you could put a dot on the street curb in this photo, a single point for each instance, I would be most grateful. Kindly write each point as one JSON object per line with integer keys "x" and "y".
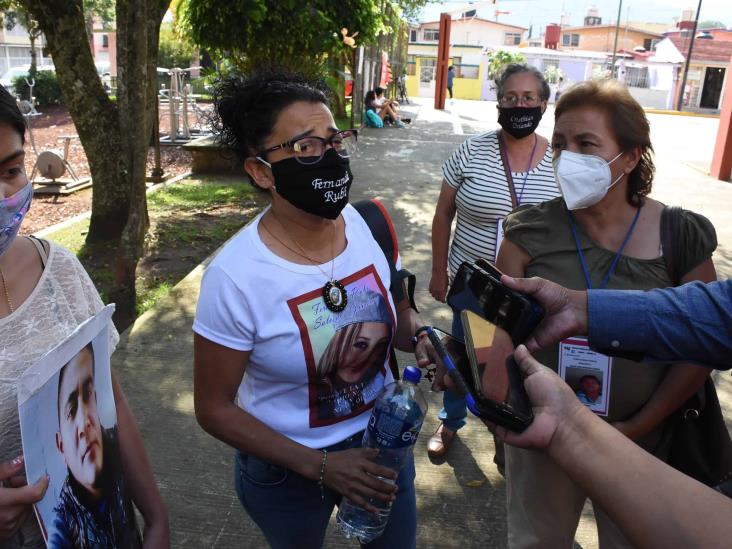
{"x": 84, "y": 215}
{"x": 680, "y": 113}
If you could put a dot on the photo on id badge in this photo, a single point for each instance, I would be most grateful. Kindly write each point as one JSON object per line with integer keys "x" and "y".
{"x": 587, "y": 373}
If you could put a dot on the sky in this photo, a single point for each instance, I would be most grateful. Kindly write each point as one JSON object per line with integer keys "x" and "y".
{"x": 539, "y": 13}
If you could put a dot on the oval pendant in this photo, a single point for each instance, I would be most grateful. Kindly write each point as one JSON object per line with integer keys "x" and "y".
{"x": 335, "y": 296}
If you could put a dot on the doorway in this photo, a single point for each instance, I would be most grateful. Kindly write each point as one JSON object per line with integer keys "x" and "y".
{"x": 427, "y": 77}
{"x": 712, "y": 89}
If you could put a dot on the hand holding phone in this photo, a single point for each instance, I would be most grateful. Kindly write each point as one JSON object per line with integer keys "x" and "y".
{"x": 470, "y": 381}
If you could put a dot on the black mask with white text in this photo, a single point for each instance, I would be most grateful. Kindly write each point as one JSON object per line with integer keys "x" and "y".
{"x": 319, "y": 189}
{"x": 519, "y": 122}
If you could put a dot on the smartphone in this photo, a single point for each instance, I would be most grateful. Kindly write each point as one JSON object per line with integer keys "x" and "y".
{"x": 477, "y": 287}
{"x": 513, "y": 414}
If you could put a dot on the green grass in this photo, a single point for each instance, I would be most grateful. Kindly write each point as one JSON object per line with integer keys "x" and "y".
{"x": 188, "y": 221}
{"x": 344, "y": 123}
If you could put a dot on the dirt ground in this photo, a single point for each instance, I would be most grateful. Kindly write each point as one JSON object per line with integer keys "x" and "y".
{"x": 48, "y": 131}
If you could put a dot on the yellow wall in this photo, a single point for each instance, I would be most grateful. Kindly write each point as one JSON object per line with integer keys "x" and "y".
{"x": 462, "y": 88}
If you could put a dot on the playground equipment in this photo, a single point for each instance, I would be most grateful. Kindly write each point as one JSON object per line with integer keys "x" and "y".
{"x": 50, "y": 164}
{"x": 178, "y": 102}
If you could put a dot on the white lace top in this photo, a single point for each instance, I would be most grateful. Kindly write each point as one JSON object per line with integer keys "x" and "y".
{"x": 63, "y": 298}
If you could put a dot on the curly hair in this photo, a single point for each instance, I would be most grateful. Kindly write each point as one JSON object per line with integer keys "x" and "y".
{"x": 628, "y": 123}
{"x": 246, "y": 107}
{"x": 518, "y": 68}
{"x": 10, "y": 113}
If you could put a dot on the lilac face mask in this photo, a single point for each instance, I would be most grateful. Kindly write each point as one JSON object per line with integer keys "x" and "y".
{"x": 12, "y": 212}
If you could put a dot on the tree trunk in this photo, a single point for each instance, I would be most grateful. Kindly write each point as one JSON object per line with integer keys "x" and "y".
{"x": 137, "y": 49}
{"x": 94, "y": 115}
{"x": 34, "y": 55}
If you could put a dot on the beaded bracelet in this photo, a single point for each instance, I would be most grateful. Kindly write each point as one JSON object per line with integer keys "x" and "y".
{"x": 321, "y": 479}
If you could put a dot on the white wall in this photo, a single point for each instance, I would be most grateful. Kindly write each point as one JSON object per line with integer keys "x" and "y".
{"x": 652, "y": 99}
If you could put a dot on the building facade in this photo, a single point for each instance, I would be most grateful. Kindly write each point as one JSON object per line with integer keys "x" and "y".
{"x": 707, "y": 76}
{"x": 469, "y": 37}
{"x": 602, "y": 38}
{"x": 15, "y": 50}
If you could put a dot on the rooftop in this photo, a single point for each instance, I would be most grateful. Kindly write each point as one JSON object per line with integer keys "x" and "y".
{"x": 704, "y": 50}
{"x": 623, "y": 28}
{"x": 454, "y": 21}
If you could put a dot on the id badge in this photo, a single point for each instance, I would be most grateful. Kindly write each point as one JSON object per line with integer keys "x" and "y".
{"x": 588, "y": 373}
{"x": 499, "y": 237}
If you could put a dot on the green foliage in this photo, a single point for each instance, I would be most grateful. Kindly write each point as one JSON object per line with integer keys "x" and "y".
{"x": 498, "y": 59}
{"x": 294, "y": 34}
{"x": 711, "y": 24}
{"x": 104, "y": 9}
{"x": 174, "y": 50}
{"x": 553, "y": 74}
{"x": 46, "y": 91}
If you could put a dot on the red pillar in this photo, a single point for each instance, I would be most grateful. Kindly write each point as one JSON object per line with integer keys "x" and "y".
{"x": 443, "y": 60}
{"x": 722, "y": 158}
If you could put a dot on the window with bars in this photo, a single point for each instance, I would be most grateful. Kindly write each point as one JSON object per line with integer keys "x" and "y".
{"x": 431, "y": 35}
{"x": 636, "y": 77}
{"x": 511, "y": 38}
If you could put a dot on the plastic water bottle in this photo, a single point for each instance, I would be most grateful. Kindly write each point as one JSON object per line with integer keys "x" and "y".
{"x": 393, "y": 428}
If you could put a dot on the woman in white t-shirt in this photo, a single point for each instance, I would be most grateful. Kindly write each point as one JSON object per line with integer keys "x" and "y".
{"x": 45, "y": 294}
{"x": 295, "y": 323}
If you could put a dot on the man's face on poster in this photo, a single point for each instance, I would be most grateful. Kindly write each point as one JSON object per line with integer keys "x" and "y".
{"x": 80, "y": 434}
{"x": 591, "y": 387}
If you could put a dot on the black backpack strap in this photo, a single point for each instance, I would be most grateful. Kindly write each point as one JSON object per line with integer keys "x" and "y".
{"x": 671, "y": 241}
{"x": 378, "y": 220}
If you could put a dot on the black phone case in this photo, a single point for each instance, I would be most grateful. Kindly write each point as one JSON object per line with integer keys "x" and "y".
{"x": 477, "y": 287}
{"x": 514, "y": 418}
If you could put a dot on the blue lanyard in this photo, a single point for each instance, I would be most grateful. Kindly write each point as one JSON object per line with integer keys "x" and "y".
{"x": 526, "y": 175}
{"x": 586, "y": 272}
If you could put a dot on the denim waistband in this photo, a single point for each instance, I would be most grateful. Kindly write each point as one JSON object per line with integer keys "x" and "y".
{"x": 354, "y": 441}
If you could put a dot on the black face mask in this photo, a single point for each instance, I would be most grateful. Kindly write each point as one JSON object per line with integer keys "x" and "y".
{"x": 519, "y": 122}
{"x": 319, "y": 189}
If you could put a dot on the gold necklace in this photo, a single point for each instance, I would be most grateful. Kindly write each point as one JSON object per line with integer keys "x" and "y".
{"x": 5, "y": 289}
{"x": 334, "y": 293}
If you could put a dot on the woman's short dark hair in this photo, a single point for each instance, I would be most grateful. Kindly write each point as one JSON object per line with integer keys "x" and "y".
{"x": 10, "y": 113}
{"x": 518, "y": 68}
{"x": 246, "y": 107}
{"x": 379, "y": 90}
{"x": 628, "y": 122}
{"x": 369, "y": 99}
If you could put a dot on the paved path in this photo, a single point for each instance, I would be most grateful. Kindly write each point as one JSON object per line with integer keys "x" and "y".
{"x": 461, "y": 501}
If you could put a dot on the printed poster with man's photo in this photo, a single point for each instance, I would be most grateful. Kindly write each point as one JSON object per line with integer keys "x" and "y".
{"x": 68, "y": 424}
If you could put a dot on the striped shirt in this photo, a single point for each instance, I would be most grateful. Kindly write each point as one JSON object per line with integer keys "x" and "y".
{"x": 475, "y": 169}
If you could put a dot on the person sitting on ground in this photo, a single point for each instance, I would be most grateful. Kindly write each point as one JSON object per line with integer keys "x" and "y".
{"x": 384, "y": 113}
{"x": 381, "y": 99}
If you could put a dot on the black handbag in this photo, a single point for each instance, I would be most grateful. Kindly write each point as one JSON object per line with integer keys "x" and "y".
{"x": 700, "y": 443}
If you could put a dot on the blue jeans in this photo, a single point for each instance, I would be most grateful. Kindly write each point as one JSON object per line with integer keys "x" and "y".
{"x": 289, "y": 510}
{"x": 454, "y": 410}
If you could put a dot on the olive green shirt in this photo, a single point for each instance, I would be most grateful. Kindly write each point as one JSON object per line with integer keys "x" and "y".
{"x": 544, "y": 232}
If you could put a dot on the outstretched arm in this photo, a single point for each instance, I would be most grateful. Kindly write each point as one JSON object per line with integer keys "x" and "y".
{"x": 653, "y": 504}
{"x": 684, "y": 324}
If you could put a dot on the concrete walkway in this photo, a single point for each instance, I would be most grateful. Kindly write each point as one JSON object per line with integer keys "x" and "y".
{"x": 461, "y": 501}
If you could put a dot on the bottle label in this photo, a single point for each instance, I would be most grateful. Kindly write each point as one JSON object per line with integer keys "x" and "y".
{"x": 389, "y": 431}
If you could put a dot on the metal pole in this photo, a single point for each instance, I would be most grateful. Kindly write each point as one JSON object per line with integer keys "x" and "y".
{"x": 680, "y": 100}
{"x": 615, "y": 45}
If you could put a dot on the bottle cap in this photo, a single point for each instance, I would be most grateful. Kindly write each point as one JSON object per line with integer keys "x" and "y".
{"x": 412, "y": 374}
